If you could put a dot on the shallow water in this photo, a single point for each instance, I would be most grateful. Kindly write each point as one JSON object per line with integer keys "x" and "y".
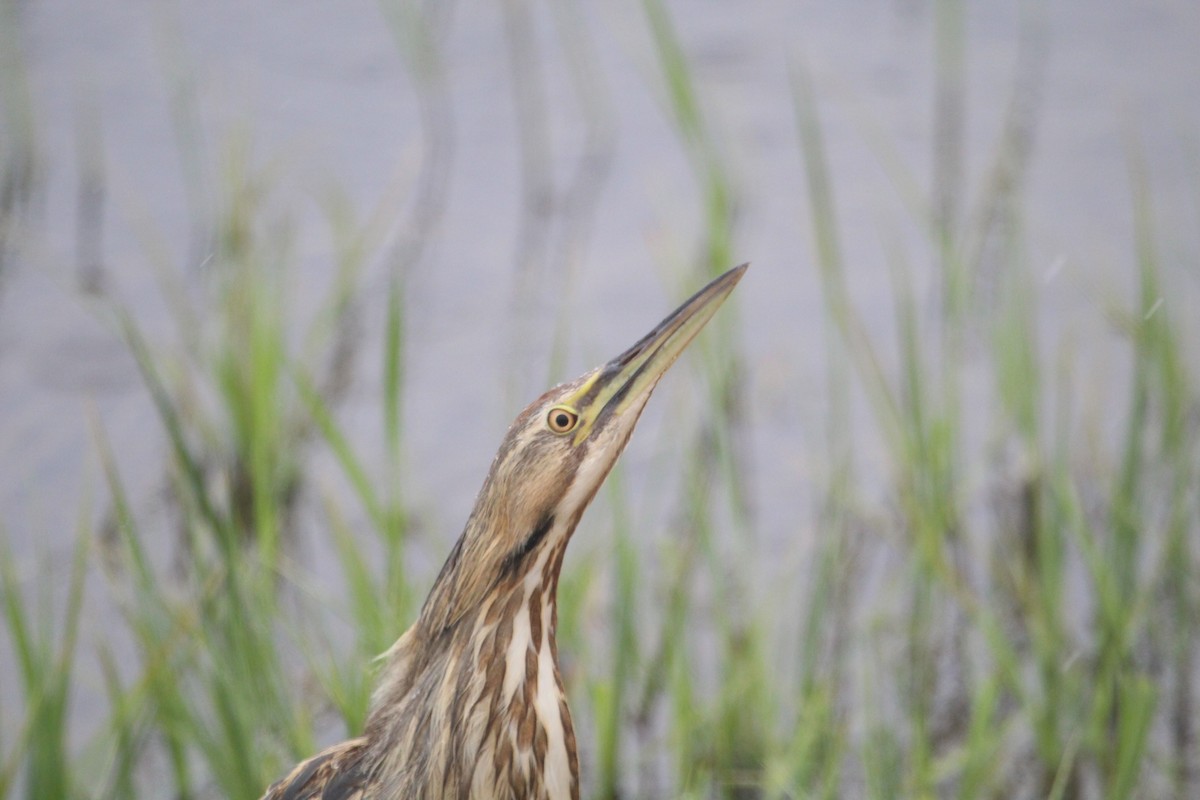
{"x": 322, "y": 92}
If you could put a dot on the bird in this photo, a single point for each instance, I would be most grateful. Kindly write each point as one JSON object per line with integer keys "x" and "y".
{"x": 470, "y": 700}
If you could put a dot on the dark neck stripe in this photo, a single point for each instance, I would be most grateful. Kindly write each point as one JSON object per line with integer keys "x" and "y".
{"x": 519, "y": 553}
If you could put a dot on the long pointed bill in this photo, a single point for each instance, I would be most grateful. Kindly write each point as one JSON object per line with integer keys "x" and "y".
{"x": 631, "y": 376}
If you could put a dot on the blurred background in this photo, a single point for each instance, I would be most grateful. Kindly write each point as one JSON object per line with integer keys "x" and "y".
{"x": 917, "y": 516}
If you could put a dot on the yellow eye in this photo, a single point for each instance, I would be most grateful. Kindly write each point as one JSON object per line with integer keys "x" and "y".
{"x": 562, "y": 419}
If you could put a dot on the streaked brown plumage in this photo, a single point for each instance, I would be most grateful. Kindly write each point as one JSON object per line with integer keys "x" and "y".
{"x": 471, "y": 703}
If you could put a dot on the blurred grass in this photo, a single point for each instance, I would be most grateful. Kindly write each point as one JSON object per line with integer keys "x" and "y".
{"x": 44, "y": 658}
{"x": 21, "y": 164}
{"x": 1034, "y": 636}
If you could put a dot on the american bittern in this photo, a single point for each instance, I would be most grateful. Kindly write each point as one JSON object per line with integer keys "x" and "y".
{"x": 470, "y": 703}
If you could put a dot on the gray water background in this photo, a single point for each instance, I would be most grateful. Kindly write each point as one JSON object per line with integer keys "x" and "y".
{"x": 322, "y": 90}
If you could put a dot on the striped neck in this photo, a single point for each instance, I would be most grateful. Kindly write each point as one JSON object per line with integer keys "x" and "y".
{"x": 522, "y": 708}
{"x": 484, "y": 714}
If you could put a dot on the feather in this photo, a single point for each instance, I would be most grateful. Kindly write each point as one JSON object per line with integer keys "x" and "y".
{"x": 338, "y": 773}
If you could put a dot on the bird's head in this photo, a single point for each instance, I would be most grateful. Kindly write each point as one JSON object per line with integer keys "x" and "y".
{"x": 555, "y": 456}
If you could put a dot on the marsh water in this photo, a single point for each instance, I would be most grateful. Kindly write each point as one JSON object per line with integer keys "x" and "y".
{"x": 133, "y": 108}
